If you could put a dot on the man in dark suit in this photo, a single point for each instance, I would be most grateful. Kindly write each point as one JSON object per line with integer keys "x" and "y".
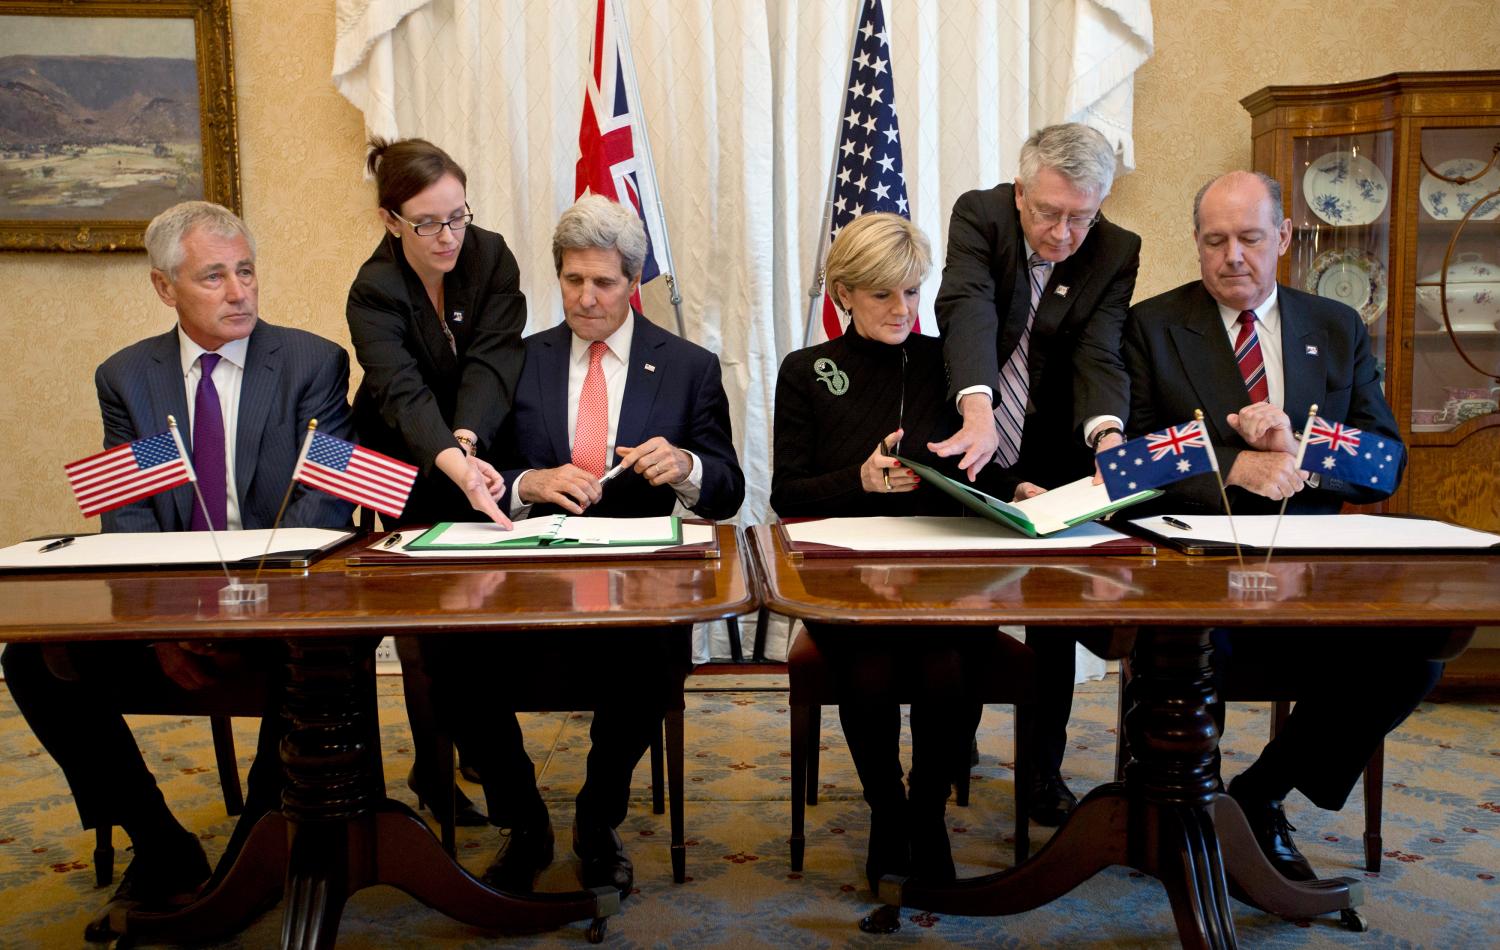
{"x": 607, "y": 386}
{"x": 1254, "y": 355}
{"x": 1033, "y": 297}
{"x": 245, "y": 390}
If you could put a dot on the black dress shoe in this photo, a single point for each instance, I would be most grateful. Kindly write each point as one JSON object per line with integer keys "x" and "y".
{"x": 1051, "y": 801}
{"x": 162, "y": 877}
{"x": 522, "y": 855}
{"x": 603, "y": 856}
{"x": 890, "y": 845}
{"x": 465, "y": 815}
{"x": 1274, "y": 835}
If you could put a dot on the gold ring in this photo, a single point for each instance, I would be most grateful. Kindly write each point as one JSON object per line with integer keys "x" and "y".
{"x": 886, "y": 474}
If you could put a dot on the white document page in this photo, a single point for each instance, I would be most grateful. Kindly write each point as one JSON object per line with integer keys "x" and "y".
{"x": 615, "y": 530}
{"x": 691, "y": 534}
{"x": 126, "y": 549}
{"x": 487, "y": 532}
{"x": 1325, "y": 532}
{"x": 939, "y": 534}
{"x": 1053, "y": 509}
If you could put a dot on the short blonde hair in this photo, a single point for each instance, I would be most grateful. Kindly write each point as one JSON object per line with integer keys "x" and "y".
{"x": 875, "y": 252}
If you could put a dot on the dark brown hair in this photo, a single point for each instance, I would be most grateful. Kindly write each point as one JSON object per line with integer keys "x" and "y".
{"x": 405, "y": 168}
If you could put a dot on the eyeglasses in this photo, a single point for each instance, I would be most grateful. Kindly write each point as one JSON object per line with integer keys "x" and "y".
{"x": 430, "y": 228}
{"x": 1076, "y": 222}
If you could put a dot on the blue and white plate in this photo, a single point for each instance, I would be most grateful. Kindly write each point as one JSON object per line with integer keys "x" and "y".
{"x": 1446, "y": 201}
{"x": 1345, "y": 189}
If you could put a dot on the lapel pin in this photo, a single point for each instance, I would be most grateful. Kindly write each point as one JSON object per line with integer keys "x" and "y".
{"x": 1062, "y": 290}
{"x": 650, "y": 368}
{"x": 458, "y": 316}
{"x": 1312, "y": 350}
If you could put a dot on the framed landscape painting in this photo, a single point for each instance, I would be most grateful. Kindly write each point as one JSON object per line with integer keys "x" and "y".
{"x": 111, "y": 111}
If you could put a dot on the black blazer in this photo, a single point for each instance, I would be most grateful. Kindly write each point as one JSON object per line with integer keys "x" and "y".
{"x": 822, "y": 437}
{"x": 1180, "y": 359}
{"x": 290, "y": 376}
{"x": 672, "y": 389}
{"x": 416, "y": 390}
{"x": 1074, "y": 362}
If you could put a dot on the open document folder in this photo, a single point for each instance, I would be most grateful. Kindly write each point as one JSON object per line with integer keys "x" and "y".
{"x": 551, "y": 531}
{"x": 1047, "y": 513}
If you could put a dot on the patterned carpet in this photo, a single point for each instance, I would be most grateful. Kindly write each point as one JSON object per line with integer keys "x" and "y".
{"x": 1437, "y": 886}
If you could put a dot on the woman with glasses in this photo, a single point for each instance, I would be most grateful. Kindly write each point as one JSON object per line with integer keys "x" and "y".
{"x": 436, "y": 316}
{"x": 842, "y": 408}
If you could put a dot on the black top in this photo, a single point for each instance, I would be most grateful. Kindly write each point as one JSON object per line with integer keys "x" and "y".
{"x": 822, "y": 436}
{"x": 416, "y": 389}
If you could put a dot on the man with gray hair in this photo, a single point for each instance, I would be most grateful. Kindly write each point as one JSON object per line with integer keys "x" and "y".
{"x": 1033, "y": 297}
{"x": 243, "y": 392}
{"x": 606, "y": 388}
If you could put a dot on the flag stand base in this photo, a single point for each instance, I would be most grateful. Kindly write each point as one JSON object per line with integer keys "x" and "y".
{"x": 241, "y": 595}
{"x": 1244, "y": 581}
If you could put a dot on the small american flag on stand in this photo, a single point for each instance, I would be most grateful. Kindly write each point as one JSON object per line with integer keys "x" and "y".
{"x": 355, "y": 474}
{"x": 127, "y": 473}
{"x": 1338, "y": 451}
{"x": 1157, "y": 459}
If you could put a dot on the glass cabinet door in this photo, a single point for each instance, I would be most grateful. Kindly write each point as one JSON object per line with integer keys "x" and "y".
{"x": 1455, "y": 361}
{"x": 1341, "y": 224}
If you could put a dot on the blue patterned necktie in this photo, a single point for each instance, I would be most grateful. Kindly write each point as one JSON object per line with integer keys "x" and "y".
{"x": 208, "y": 448}
{"x": 1015, "y": 380}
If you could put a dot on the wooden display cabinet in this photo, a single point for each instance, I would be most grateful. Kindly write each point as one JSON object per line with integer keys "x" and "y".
{"x": 1372, "y": 225}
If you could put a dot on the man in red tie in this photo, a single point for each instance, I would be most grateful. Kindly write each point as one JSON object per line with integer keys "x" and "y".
{"x": 242, "y": 391}
{"x": 608, "y": 388}
{"x": 1254, "y": 355}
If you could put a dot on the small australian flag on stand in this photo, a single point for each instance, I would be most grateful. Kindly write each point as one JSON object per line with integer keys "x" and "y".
{"x": 1160, "y": 458}
{"x": 1352, "y": 455}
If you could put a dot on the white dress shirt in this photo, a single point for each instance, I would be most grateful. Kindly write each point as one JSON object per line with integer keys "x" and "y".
{"x": 614, "y": 364}
{"x": 228, "y": 375}
{"x": 1268, "y": 330}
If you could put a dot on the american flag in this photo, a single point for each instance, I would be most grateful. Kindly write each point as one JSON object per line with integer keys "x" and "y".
{"x": 613, "y": 156}
{"x": 1157, "y": 459}
{"x": 127, "y": 473}
{"x": 355, "y": 474}
{"x": 1335, "y": 450}
{"x": 869, "y": 176}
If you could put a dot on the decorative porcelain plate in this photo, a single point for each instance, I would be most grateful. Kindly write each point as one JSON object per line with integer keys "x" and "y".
{"x": 1345, "y": 189}
{"x": 1351, "y": 276}
{"x": 1446, "y": 201}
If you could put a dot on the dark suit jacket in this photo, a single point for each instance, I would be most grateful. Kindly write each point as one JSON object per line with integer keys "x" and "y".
{"x": 1180, "y": 359}
{"x": 416, "y": 390}
{"x": 291, "y": 376}
{"x": 682, "y": 400}
{"x": 1074, "y": 359}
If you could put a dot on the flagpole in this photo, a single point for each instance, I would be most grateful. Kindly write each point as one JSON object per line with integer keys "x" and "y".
{"x": 312, "y": 426}
{"x": 1312, "y": 413}
{"x": 815, "y": 289}
{"x": 635, "y": 94}
{"x": 193, "y": 477}
{"x": 1223, "y": 495}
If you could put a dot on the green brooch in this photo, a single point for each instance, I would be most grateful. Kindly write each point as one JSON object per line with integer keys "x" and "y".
{"x": 831, "y": 376}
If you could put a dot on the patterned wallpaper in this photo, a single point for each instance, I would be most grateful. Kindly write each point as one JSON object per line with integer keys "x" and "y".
{"x": 300, "y": 155}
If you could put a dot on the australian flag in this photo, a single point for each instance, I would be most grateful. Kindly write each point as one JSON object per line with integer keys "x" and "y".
{"x": 868, "y": 159}
{"x": 1160, "y": 458}
{"x": 1335, "y": 450}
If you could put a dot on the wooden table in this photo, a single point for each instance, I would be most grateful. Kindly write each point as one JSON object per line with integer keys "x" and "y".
{"x": 337, "y": 832}
{"x": 1167, "y": 818}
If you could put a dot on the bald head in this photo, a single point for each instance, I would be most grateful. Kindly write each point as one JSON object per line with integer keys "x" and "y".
{"x": 1240, "y": 232}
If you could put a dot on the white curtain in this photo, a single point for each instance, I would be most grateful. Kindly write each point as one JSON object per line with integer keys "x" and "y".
{"x": 742, "y": 101}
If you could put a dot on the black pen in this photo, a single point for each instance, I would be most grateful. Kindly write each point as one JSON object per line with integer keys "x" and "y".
{"x": 392, "y": 541}
{"x": 1179, "y": 525}
{"x": 57, "y": 545}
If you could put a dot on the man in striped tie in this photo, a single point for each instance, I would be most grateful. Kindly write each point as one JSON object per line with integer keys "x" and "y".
{"x": 1034, "y": 293}
{"x": 1254, "y": 355}
{"x": 242, "y": 392}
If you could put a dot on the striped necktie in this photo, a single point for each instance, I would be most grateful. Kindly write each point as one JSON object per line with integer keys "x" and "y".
{"x": 1252, "y": 364}
{"x": 1015, "y": 380}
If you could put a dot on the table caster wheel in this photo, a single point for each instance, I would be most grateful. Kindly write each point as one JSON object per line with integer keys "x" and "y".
{"x": 886, "y": 920}
{"x": 597, "y": 926}
{"x": 1354, "y": 920}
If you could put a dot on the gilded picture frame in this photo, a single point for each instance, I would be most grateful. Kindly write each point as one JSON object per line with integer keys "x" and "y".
{"x": 111, "y": 111}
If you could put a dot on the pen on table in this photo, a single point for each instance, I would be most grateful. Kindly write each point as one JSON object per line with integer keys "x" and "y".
{"x": 57, "y": 545}
{"x": 1179, "y": 525}
{"x": 612, "y": 473}
{"x": 392, "y": 541}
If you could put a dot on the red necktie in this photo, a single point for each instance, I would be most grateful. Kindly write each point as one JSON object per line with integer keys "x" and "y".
{"x": 591, "y": 431}
{"x": 1252, "y": 364}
